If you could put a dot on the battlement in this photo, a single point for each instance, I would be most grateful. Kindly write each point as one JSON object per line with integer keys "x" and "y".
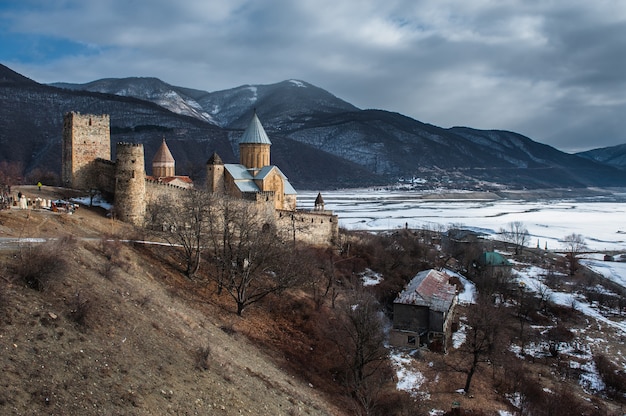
{"x": 128, "y": 144}
{"x": 168, "y": 185}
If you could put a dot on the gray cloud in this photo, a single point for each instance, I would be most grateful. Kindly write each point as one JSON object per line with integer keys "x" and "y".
{"x": 554, "y": 72}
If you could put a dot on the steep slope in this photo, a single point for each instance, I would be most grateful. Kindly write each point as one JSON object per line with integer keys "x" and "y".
{"x": 10, "y": 77}
{"x": 613, "y": 156}
{"x": 116, "y": 332}
{"x": 532, "y": 162}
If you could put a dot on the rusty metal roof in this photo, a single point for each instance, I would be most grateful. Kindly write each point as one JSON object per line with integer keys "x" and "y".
{"x": 429, "y": 288}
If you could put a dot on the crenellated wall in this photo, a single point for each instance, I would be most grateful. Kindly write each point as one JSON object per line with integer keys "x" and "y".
{"x": 158, "y": 191}
{"x": 105, "y": 176}
{"x": 319, "y": 228}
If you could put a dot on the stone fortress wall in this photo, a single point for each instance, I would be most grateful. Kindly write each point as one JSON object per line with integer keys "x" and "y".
{"x": 87, "y": 165}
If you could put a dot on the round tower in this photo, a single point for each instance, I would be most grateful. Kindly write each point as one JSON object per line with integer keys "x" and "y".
{"x": 254, "y": 146}
{"x": 215, "y": 174}
{"x": 130, "y": 183}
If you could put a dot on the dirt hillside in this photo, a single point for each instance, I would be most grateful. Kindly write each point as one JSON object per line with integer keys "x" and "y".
{"x": 109, "y": 332}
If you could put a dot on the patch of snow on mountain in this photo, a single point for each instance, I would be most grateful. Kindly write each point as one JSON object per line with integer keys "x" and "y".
{"x": 254, "y": 93}
{"x": 297, "y": 83}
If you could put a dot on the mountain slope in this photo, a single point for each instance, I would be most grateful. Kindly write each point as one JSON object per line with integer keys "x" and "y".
{"x": 613, "y": 155}
{"x": 31, "y": 122}
{"x": 320, "y": 141}
{"x": 175, "y": 99}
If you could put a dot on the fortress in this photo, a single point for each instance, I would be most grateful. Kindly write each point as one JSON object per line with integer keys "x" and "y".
{"x": 87, "y": 165}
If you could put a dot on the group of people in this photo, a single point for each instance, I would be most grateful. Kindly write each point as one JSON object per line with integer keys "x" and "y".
{"x": 7, "y": 200}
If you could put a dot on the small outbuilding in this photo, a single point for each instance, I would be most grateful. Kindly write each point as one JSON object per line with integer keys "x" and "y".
{"x": 422, "y": 312}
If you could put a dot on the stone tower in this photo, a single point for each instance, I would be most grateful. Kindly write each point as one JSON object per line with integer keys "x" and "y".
{"x": 254, "y": 146}
{"x": 86, "y": 137}
{"x": 215, "y": 175}
{"x": 163, "y": 163}
{"x": 130, "y": 183}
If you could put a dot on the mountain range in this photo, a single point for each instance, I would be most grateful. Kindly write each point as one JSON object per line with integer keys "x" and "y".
{"x": 318, "y": 140}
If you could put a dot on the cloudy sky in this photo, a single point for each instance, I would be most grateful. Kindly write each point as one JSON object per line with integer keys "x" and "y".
{"x": 553, "y": 70}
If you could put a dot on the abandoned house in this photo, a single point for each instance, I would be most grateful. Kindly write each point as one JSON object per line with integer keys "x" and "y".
{"x": 422, "y": 312}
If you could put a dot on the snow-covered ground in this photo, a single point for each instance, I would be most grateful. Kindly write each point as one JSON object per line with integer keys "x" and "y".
{"x": 602, "y": 221}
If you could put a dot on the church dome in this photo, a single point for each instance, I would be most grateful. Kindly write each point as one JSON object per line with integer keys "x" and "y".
{"x": 163, "y": 164}
{"x": 255, "y": 133}
{"x": 163, "y": 155}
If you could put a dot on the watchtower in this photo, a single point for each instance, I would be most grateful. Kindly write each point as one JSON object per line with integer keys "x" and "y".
{"x": 86, "y": 137}
{"x": 215, "y": 175}
{"x": 130, "y": 183}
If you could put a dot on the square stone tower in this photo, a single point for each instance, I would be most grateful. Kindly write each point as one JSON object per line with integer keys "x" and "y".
{"x": 86, "y": 137}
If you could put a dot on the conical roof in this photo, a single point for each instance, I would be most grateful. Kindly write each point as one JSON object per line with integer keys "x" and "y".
{"x": 163, "y": 155}
{"x": 255, "y": 133}
{"x": 319, "y": 200}
{"x": 215, "y": 159}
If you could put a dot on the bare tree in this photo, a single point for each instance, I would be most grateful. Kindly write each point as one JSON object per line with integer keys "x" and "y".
{"x": 11, "y": 173}
{"x": 183, "y": 223}
{"x": 517, "y": 234}
{"x": 526, "y": 304}
{"x": 360, "y": 338}
{"x": 557, "y": 336}
{"x": 484, "y": 324}
{"x": 249, "y": 258}
{"x": 574, "y": 245}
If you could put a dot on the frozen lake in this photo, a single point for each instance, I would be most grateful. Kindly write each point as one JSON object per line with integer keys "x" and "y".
{"x": 601, "y": 220}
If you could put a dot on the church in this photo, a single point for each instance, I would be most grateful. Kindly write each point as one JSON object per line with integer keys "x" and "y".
{"x": 254, "y": 178}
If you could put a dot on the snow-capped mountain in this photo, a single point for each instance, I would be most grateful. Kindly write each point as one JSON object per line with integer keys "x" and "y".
{"x": 175, "y": 99}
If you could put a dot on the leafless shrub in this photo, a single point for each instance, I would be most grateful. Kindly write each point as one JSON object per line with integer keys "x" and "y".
{"x": 202, "y": 357}
{"x": 614, "y": 378}
{"x": 110, "y": 247}
{"x": 108, "y": 270}
{"x": 228, "y": 329}
{"x": 38, "y": 266}
{"x": 80, "y": 308}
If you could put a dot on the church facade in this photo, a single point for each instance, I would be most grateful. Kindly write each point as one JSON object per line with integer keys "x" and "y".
{"x": 254, "y": 177}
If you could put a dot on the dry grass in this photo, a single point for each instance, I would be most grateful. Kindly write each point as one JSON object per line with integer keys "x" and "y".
{"x": 124, "y": 342}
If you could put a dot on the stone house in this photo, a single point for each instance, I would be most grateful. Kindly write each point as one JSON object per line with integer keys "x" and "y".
{"x": 422, "y": 312}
